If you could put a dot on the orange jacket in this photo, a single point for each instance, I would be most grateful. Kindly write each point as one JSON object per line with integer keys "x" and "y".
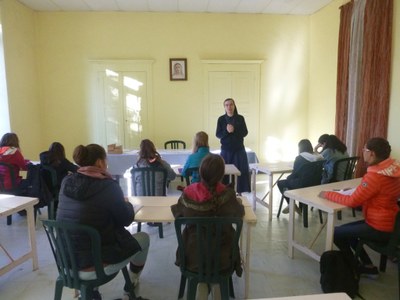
{"x": 378, "y": 194}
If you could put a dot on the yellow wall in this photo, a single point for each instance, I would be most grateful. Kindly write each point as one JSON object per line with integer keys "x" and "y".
{"x": 298, "y": 76}
{"x": 19, "y": 50}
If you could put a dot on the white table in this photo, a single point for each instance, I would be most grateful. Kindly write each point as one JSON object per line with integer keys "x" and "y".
{"x": 278, "y": 168}
{"x": 119, "y": 163}
{"x": 230, "y": 170}
{"x": 310, "y": 197}
{"x": 330, "y": 296}
{"x": 10, "y": 204}
{"x": 158, "y": 209}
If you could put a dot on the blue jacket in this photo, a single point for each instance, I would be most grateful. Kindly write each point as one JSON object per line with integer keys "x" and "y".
{"x": 194, "y": 160}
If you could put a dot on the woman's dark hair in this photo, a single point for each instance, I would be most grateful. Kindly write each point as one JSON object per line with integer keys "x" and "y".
{"x": 9, "y": 139}
{"x": 88, "y": 155}
{"x": 56, "y": 153}
{"x": 334, "y": 143}
{"x": 305, "y": 146}
{"x": 235, "y": 112}
{"x": 323, "y": 139}
{"x": 380, "y": 146}
{"x": 148, "y": 150}
{"x": 212, "y": 170}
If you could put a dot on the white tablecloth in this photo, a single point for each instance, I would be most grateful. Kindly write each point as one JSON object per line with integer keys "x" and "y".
{"x": 119, "y": 163}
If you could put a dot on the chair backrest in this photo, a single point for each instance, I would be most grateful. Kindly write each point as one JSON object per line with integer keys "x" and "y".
{"x": 175, "y": 144}
{"x": 311, "y": 173}
{"x": 49, "y": 175}
{"x": 149, "y": 181}
{"x": 189, "y": 173}
{"x": 344, "y": 168}
{"x": 7, "y": 170}
{"x": 210, "y": 233}
{"x": 63, "y": 242}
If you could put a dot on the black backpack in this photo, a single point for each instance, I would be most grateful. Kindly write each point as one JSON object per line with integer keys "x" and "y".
{"x": 35, "y": 186}
{"x": 339, "y": 273}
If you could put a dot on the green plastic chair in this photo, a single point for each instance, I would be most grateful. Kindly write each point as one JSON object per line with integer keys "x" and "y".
{"x": 209, "y": 238}
{"x": 7, "y": 168}
{"x": 175, "y": 144}
{"x": 391, "y": 248}
{"x": 150, "y": 181}
{"x": 49, "y": 175}
{"x": 65, "y": 257}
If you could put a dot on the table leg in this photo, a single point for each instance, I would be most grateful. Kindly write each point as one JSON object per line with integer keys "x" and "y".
{"x": 32, "y": 236}
{"x": 253, "y": 187}
{"x": 329, "y": 231}
{"x": 291, "y": 228}
{"x": 271, "y": 186}
{"x": 247, "y": 263}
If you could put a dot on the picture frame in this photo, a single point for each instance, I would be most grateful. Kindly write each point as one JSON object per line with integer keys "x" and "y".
{"x": 177, "y": 69}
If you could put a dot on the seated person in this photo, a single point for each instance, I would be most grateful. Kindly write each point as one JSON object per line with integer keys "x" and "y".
{"x": 206, "y": 198}
{"x": 306, "y": 155}
{"x": 10, "y": 153}
{"x": 200, "y": 150}
{"x": 333, "y": 150}
{"x": 149, "y": 157}
{"x": 93, "y": 198}
{"x": 55, "y": 157}
{"x": 378, "y": 195}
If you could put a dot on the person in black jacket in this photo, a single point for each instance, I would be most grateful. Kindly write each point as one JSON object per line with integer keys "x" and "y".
{"x": 91, "y": 197}
{"x": 231, "y": 130}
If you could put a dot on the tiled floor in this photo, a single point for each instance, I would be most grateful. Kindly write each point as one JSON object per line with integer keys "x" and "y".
{"x": 272, "y": 272}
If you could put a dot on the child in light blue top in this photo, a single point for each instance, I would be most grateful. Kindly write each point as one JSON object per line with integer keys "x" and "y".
{"x": 200, "y": 150}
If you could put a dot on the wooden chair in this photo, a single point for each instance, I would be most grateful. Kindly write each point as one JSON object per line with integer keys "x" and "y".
{"x": 391, "y": 248}
{"x": 175, "y": 144}
{"x": 61, "y": 238}
{"x": 310, "y": 175}
{"x": 189, "y": 174}
{"x": 344, "y": 169}
{"x": 150, "y": 181}
{"x": 8, "y": 170}
{"x": 209, "y": 238}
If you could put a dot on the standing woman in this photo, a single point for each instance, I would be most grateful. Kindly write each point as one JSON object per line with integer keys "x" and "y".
{"x": 231, "y": 130}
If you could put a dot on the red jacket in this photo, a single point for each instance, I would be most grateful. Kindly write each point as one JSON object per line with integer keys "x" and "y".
{"x": 12, "y": 156}
{"x": 378, "y": 194}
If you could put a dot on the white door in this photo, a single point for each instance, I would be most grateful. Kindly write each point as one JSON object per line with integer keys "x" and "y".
{"x": 122, "y": 103}
{"x": 237, "y": 80}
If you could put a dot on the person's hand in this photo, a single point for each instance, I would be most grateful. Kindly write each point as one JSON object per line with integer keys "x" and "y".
{"x": 322, "y": 194}
{"x": 230, "y": 128}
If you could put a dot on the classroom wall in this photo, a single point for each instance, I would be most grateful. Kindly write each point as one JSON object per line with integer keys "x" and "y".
{"x": 47, "y": 60}
{"x": 18, "y": 24}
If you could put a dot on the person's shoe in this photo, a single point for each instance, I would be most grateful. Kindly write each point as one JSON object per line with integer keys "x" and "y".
{"x": 369, "y": 272}
{"x": 285, "y": 210}
{"x": 95, "y": 295}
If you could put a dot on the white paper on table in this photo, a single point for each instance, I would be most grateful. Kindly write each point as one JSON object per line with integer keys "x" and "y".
{"x": 347, "y": 191}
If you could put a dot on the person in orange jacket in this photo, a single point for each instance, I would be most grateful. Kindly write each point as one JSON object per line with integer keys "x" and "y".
{"x": 378, "y": 194}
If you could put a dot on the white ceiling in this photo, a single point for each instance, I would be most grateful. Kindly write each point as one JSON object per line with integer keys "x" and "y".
{"x": 288, "y": 7}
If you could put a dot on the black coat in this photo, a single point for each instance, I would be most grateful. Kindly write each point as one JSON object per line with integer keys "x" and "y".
{"x": 98, "y": 203}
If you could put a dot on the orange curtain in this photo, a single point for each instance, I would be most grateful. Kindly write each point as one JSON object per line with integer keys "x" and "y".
{"x": 342, "y": 87}
{"x": 373, "y": 89}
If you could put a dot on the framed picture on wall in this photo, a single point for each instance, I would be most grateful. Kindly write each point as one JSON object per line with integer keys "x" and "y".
{"x": 177, "y": 69}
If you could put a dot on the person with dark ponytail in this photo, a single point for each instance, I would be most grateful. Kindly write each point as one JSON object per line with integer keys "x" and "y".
{"x": 91, "y": 197}
{"x": 207, "y": 198}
